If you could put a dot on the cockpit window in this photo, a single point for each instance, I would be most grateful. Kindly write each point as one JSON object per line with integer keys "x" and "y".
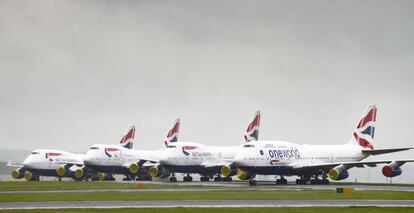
{"x": 34, "y": 153}
{"x": 171, "y": 147}
{"x": 248, "y": 145}
{"x": 93, "y": 147}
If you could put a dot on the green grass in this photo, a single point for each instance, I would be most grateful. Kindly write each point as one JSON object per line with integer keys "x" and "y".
{"x": 375, "y": 184}
{"x": 77, "y": 185}
{"x": 221, "y": 210}
{"x": 206, "y": 195}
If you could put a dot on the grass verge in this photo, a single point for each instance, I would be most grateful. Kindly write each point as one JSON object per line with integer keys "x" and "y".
{"x": 77, "y": 185}
{"x": 241, "y": 210}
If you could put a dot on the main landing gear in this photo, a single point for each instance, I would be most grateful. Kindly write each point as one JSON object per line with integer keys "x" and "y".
{"x": 252, "y": 181}
{"x": 281, "y": 181}
{"x": 173, "y": 178}
{"x": 318, "y": 181}
{"x": 314, "y": 181}
{"x": 204, "y": 179}
{"x": 301, "y": 181}
{"x": 187, "y": 178}
{"x": 227, "y": 179}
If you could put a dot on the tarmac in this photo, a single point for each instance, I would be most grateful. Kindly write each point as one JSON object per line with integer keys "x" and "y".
{"x": 205, "y": 203}
{"x": 234, "y": 186}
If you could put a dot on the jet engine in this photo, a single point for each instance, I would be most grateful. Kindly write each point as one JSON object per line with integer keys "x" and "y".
{"x": 228, "y": 170}
{"x": 242, "y": 175}
{"x": 18, "y": 173}
{"x": 391, "y": 170}
{"x": 60, "y": 171}
{"x": 338, "y": 173}
{"x": 132, "y": 168}
{"x": 28, "y": 176}
{"x": 77, "y": 171}
{"x": 159, "y": 171}
{"x": 104, "y": 176}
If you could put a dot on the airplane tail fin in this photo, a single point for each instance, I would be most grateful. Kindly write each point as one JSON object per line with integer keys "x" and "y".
{"x": 172, "y": 135}
{"x": 363, "y": 134}
{"x": 127, "y": 140}
{"x": 252, "y": 131}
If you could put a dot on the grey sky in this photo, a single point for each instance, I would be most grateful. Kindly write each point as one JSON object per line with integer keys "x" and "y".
{"x": 75, "y": 73}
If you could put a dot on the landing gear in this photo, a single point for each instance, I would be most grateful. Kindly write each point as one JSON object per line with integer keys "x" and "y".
{"x": 218, "y": 179}
{"x": 319, "y": 181}
{"x": 301, "y": 181}
{"x": 188, "y": 178}
{"x": 323, "y": 181}
{"x": 281, "y": 181}
{"x": 252, "y": 182}
{"x": 204, "y": 179}
{"x": 227, "y": 179}
{"x": 173, "y": 179}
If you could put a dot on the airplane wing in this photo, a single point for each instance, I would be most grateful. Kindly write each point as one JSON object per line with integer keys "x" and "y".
{"x": 10, "y": 164}
{"x": 148, "y": 164}
{"x": 217, "y": 163}
{"x": 148, "y": 160}
{"x": 348, "y": 165}
{"x": 384, "y": 151}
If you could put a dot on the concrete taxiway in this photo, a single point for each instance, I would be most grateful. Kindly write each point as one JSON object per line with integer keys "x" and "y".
{"x": 205, "y": 203}
{"x": 220, "y": 186}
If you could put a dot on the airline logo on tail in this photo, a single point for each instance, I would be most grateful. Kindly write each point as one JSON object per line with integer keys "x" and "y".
{"x": 364, "y": 133}
{"x": 128, "y": 139}
{"x": 172, "y": 135}
{"x": 252, "y": 132}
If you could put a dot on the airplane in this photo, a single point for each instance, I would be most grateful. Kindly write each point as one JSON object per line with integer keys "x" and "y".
{"x": 105, "y": 159}
{"x": 195, "y": 158}
{"x": 48, "y": 162}
{"x": 310, "y": 162}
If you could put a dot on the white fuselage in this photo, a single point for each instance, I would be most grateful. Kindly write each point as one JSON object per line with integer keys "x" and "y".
{"x": 115, "y": 159}
{"x": 44, "y": 162}
{"x": 279, "y": 157}
{"x": 190, "y": 157}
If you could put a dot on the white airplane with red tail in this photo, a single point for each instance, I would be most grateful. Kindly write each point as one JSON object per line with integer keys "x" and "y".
{"x": 315, "y": 163}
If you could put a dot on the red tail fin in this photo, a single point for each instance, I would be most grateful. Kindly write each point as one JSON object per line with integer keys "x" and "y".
{"x": 127, "y": 140}
{"x": 252, "y": 132}
{"x": 172, "y": 135}
{"x": 364, "y": 132}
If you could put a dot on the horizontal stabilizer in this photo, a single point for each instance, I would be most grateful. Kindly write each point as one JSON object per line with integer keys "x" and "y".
{"x": 10, "y": 164}
{"x": 384, "y": 151}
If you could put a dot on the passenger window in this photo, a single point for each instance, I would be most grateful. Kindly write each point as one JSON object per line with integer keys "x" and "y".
{"x": 171, "y": 147}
